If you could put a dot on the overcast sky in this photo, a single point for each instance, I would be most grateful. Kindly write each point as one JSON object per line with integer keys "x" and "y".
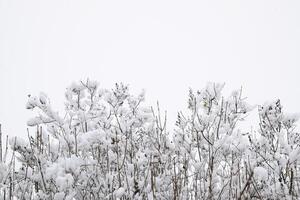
{"x": 164, "y": 47}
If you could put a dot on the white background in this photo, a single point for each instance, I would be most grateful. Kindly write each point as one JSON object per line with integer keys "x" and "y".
{"x": 164, "y": 47}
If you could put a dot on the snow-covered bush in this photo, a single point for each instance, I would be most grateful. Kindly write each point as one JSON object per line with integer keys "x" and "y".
{"x": 108, "y": 145}
{"x": 276, "y": 151}
{"x": 210, "y": 147}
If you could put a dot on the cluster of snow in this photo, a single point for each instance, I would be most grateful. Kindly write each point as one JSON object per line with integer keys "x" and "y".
{"x": 109, "y": 145}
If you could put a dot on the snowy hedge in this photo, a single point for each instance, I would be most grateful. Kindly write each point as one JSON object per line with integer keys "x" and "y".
{"x": 109, "y": 145}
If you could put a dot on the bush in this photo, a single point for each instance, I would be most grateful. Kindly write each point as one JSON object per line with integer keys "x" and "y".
{"x": 109, "y": 145}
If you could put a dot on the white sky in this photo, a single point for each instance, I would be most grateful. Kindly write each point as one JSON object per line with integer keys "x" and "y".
{"x": 162, "y": 46}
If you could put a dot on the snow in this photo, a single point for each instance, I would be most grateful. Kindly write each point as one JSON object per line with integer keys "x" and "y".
{"x": 119, "y": 192}
{"x": 260, "y": 173}
{"x": 3, "y": 172}
{"x": 110, "y": 145}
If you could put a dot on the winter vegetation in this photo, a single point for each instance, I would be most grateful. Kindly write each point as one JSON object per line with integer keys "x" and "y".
{"x": 109, "y": 145}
